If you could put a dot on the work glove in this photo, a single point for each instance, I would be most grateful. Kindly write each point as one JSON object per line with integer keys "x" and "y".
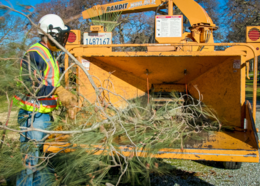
{"x": 72, "y": 111}
{"x": 68, "y": 100}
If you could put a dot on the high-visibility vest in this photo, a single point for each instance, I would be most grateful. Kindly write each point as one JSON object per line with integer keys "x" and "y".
{"x": 51, "y": 78}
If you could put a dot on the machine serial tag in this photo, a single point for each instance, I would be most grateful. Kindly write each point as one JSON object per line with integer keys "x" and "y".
{"x": 97, "y": 38}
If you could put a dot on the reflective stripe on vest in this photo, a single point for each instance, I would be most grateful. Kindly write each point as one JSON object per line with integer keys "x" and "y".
{"x": 51, "y": 73}
{"x": 51, "y": 78}
{"x": 44, "y": 105}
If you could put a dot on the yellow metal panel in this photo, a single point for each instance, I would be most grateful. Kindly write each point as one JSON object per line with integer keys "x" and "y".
{"x": 97, "y": 51}
{"x": 188, "y": 154}
{"x": 252, "y": 51}
{"x": 162, "y": 49}
{"x": 220, "y": 88}
{"x": 125, "y": 7}
{"x": 219, "y": 146}
{"x": 175, "y": 48}
{"x": 233, "y": 140}
{"x": 193, "y": 11}
{"x": 131, "y": 68}
{"x": 163, "y": 70}
{"x": 243, "y": 90}
{"x": 250, "y": 125}
{"x": 249, "y": 53}
{"x": 93, "y": 51}
{"x": 106, "y": 76}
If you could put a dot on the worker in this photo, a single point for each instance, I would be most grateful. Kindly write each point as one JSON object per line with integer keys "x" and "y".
{"x": 40, "y": 73}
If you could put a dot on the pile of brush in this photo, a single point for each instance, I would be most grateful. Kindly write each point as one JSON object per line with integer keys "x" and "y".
{"x": 111, "y": 145}
{"x": 109, "y": 132}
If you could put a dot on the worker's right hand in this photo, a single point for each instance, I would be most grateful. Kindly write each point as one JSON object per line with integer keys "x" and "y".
{"x": 67, "y": 99}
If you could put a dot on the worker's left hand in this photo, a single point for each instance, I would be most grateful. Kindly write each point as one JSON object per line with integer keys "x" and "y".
{"x": 68, "y": 100}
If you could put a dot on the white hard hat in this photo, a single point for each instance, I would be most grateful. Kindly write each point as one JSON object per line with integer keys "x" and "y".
{"x": 51, "y": 19}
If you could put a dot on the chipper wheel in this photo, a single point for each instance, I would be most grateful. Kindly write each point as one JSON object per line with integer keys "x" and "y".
{"x": 232, "y": 165}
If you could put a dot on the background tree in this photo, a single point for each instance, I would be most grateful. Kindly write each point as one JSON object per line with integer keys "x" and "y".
{"x": 241, "y": 13}
{"x": 13, "y": 43}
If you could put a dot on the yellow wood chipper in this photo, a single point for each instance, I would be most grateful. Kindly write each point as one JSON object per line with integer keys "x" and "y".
{"x": 177, "y": 61}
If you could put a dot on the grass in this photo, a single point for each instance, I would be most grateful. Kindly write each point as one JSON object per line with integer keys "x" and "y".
{"x": 249, "y": 89}
{"x": 12, "y": 120}
{"x": 4, "y": 104}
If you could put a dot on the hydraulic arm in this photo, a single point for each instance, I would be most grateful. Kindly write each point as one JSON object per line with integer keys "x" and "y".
{"x": 191, "y": 9}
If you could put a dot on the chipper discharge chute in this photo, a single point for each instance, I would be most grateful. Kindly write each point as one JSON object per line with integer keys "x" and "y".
{"x": 176, "y": 61}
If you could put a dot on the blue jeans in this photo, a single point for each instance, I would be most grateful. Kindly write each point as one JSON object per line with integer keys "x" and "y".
{"x": 31, "y": 176}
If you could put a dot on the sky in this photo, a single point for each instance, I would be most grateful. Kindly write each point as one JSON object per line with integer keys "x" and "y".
{"x": 28, "y": 2}
{"x": 34, "y": 2}
{"x": 23, "y": 2}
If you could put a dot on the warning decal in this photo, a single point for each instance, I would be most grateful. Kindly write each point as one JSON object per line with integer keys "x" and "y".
{"x": 169, "y": 26}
